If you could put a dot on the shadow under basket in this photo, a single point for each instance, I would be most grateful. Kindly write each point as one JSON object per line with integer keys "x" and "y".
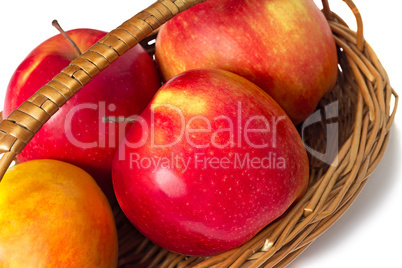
{"x": 361, "y": 110}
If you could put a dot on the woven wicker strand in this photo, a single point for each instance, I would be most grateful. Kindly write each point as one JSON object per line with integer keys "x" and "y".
{"x": 364, "y": 97}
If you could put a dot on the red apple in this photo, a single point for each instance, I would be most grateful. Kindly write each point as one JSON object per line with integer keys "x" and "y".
{"x": 283, "y": 46}
{"x": 210, "y": 162}
{"x": 76, "y": 133}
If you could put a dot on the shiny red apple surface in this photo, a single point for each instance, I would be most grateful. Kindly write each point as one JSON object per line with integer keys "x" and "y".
{"x": 210, "y": 162}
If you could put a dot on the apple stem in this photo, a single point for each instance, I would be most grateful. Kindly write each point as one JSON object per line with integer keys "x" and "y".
{"x": 120, "y": 119}
{"x": 56, "y": 24}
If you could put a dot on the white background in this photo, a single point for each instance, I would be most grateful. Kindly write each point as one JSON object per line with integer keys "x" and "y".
{"x": 369, "y": 234}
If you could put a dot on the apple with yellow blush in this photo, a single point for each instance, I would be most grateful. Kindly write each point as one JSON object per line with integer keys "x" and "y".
{"x": 286, "y": 47}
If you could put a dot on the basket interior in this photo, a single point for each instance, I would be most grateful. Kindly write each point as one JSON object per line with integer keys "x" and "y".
{"x": 340, "y": 163}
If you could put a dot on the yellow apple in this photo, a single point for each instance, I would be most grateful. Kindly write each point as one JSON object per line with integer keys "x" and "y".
{"x": 53, "y": 214}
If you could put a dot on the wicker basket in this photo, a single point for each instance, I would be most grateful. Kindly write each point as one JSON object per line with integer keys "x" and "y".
{"x": 363, "y": 96}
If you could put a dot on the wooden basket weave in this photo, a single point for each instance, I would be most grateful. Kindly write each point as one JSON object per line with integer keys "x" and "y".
{"x": 363, "y": 96}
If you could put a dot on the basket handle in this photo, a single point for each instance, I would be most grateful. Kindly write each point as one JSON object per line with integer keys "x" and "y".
{"x": 359, "y": 20}
{"x": 23, "y": 123}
